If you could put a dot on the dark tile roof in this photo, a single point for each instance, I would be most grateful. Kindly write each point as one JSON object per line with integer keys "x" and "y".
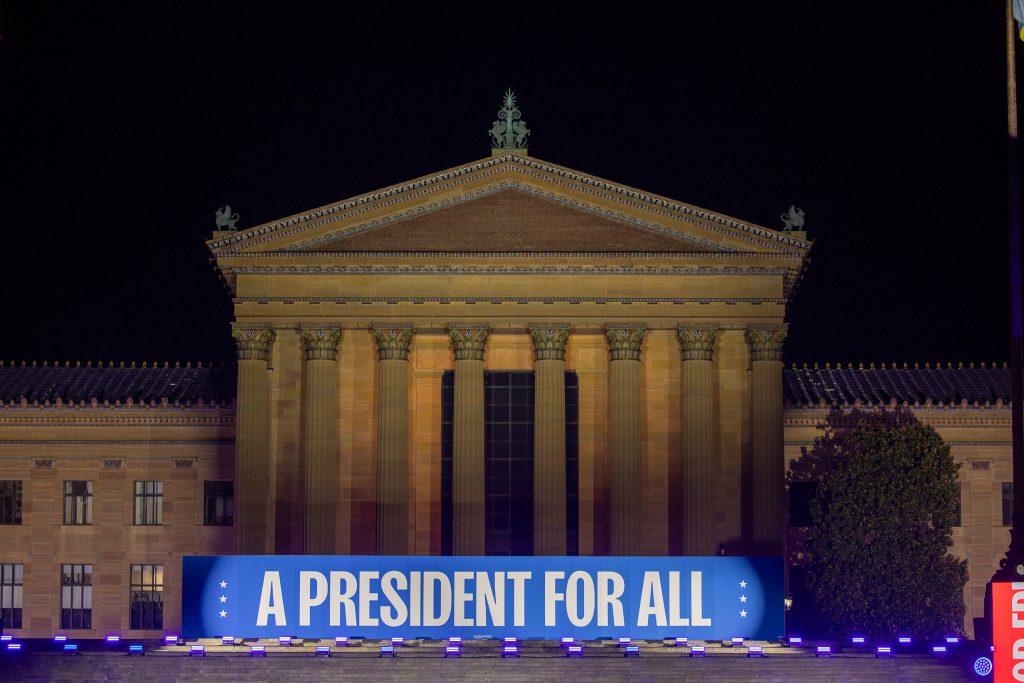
{"x": 911, "y": 385}
{"x": 109, "y": 383}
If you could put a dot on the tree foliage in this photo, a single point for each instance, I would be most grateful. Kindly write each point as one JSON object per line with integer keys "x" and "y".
{"x": 878, "y": 561}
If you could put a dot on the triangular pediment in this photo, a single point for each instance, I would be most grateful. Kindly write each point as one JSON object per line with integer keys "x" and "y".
{"x": 509, "y": 204}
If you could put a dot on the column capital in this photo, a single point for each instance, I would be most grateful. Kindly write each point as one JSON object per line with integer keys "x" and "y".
{"x": 549, "y": 340}
{"x": 698, "y": 341}
{"x": 253, "y": 342}
{"x": 469, "y": 340}
{"x": 393, "y": 340}
{"x": 320, "y": 341}
{"x": 625, "y": 339}
{"x": 766, "y": 342}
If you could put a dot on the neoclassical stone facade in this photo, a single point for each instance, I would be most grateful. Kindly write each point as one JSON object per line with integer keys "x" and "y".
{"x": 650, "y": 332}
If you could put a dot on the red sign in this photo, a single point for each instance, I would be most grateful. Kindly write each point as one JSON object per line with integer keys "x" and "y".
{"x": 1008, "y": 631}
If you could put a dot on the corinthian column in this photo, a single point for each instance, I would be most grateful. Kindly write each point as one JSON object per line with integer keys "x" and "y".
{"x": 393, "y": 439}
{"x": 468, "y": 537}
{"x": 694, "y": 513}
{"x": 549, "y": 439}
{"x": 768, "y": 470}
{"x": 320, "y": 437}
{"x": 624, "y": 393}
{"x": 252, "y": 438}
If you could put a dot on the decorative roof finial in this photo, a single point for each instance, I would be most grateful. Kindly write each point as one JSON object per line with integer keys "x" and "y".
{"x": 509, "y": 132}
{"x": 225, "y": 218}
{"x": 793, "y": 219}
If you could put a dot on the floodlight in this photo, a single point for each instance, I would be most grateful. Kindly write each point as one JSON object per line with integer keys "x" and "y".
{"x": 387, "y": 650}
{"x": 171, "y": 639}
{"x": 510, "y": 651}
{"x": 455, "y": 640}
{"x": 136, "y": 650}
{"x": 227, "y": 640}
{"x": 197, "y": 651}
{"x": 755, "y": 651}
{"x": 697, "y": 651}
{"x": 14, "y": 647}
{"x": 857, "y": 640}
{"x": 568, "y": 640}
{"x": 113, "y": 639}
{"x": 623, "y": 642}
{"x": 323, "y": 650}
{"x": 398, "y": 641}
{"x": 6, "y": 638}
{"x": 737, "y": 642}
{"x": 682, "y": 641}
{"x": 574, "y": 651}
{"x": 823, "y": 651}
{"x": 60, "y": 639}
{"x": 631, "y": 651}
{"x": 258, "y": 651}
{"x": 904, "y": 640}
{"x": 452, "y": 651}
{"x": 883, "y": 651}
{"x": 341, "y": 641}
{"x": 796, "y": 641}
{"x": 284, "y": 641}
{"x": 939, "y": 649}
{"x": 511, "y": 640}
{"x": 71, "y": 648}
{"x": 952, "y": 640}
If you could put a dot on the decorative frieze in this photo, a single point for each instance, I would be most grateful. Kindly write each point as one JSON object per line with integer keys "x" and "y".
{"x": 981, "y": 465}
{"x": 321, "y": 341}
{"x": 698, "y": 341}
{"x": 766, "y": 342}
{"x": 253, "y": 343}
{"x": 469, "y": 340}
{"x": 44, "y": 463}
{"x": 393, "y": 341}
{"x": 549, "y": 340}
{"x": 184, "y": 463}
{"x": 112, "y": 463}
{"x": 625, "y": 340}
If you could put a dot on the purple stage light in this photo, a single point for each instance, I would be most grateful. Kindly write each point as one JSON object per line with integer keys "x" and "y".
{"x": 197, "y": 651}
{"x": 452, "y": 651}
{"x": 680, "y": 642}
{"x": 568, "y": 640}
{"x": 574, "y": 651}
{"x": 258, "y": 651}
{"x": 323, "y": 650}
{"x": 857, "y": 640}
{"x": 952, "y": 640}
{"x": 631, "y": 651}
{"x": 136, "y": 650}
{"x": 71, "y": 648}
{"x": 387, "y": 650}
{"x": 455, "y": 640}
{"x": 341, "y": 641}
{"x": 227, "y": 640}
{"x": 737, "y": 642}
{"x": 939, "y": 649}
{"x": 904, "y": 640}
{"x": 171, "y": 639}
{"x": 823, "y": 651}
{"x": 510, "y": 651}
{"x": 511, "y": 640}
{"x": 6, "y": 638}
{"x": 14, "y": 647}
{"x": 755, "y": 651}
{"x": 623, "y": 642}
{"x": 113, "y": 639}
{"x": 795, "y": 640}
{"x": 284, "y": 641}
{"x": 697, "y": 651}
{"x": 983, "y": 666}
{"x": 883, "y": 651}
{"x": 60, "y": 639}
{"x": 398, "y": 641}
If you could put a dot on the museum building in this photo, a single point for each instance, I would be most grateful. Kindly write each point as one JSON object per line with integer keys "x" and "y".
{"x": 509, "y": 357}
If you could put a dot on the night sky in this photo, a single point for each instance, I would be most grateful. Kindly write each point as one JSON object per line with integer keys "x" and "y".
{"x": 124, "y": 128}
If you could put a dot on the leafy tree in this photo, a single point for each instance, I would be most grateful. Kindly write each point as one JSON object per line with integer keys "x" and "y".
{"x": 878, "y": 561}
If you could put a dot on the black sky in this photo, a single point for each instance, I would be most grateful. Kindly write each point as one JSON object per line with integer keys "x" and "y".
{"x": 124, "y": 127}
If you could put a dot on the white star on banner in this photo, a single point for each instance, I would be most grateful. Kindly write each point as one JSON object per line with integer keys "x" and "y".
{"x": 743, "y": 584}
{"x": 743, "y": 598}
{"x": 743, "y": 613}
{"x": 224, "y": 584}
{"x": 223, "y": 614}
{"x": 224, "y": 598}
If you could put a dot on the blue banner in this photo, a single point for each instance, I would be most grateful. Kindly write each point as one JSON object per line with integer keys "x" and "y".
{"x": 265, "y": 596}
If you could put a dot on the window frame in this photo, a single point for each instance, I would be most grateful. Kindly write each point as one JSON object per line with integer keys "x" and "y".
{"x": 221, "y": 493}
{"x": 12, "y": 595}
{"x": 146, "y": 597}
{"x": 78, "y": 504}
{"x": 12, "y": 498}
{"x": 77, "y": 616}
{"x": 148, "y": 503}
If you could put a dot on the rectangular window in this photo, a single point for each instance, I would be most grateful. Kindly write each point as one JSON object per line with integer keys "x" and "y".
{"x": 508, "y": 462}
{"x": 77, "y": 502}
{"x": 149, "y": 503}
{"x": 1007, "y": 503}
{"x": 12, "y": 580}
{"x": 75, "y": 596}
{"x": 801, "y": 494}
{"x": 956, "y": 509}
{"x": 10, "y": 502}
{"x": 219, "y": 503}
{"x": 147, "y": 597}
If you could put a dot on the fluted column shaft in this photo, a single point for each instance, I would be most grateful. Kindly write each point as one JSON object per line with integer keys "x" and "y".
{"x": 695, "y": 512}
{"x": 252, "y": 438}
{"x": 549, "y": 500}
{"x": 768, "y": 471}
{"x": 320, "y": 438}
{"x": 624, "y": 395}
{"x": 393, "y": 439}
{"x": 468, "y": 532}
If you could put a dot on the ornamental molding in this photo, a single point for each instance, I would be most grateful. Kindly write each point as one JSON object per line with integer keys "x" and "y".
{"x": 549, "y": 340}
{"x": 44, "y": 463}
{"x": 503, "y": 186}
{"x": 320, "y": 342}
{"x": 253, "y": 342}
{"x": 184, "y": 463}
{"x": 488, "y": 167}
{"x": 766, "y": 342}
{"x": 393, "y": 340}
{"x": 113, "y": 442}
{"x": 112, "y": 463}
{"x": 505, "y": 300}
{"x": 469, "y": 340}
{"x": 116, "y": 418}
{"x": 983, "y": 465}
{"x": 430, "y": 269}
{"x": 697, "y": 341}
{"x": 625, "y": 340}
